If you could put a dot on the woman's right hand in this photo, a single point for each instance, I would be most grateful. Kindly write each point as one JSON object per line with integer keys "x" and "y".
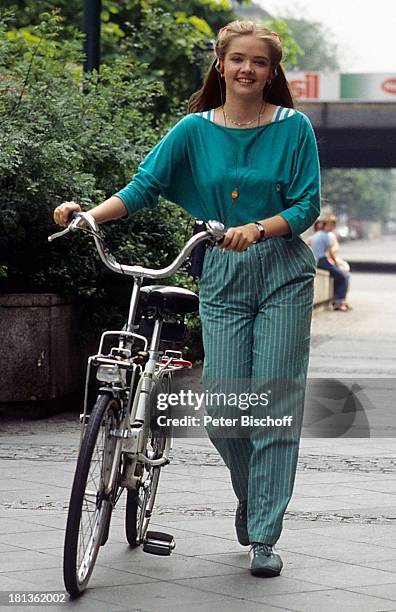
{"x": 63, "y": 212}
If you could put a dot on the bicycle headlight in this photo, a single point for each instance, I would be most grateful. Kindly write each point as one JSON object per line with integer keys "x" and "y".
{"x": 109, "y": 374}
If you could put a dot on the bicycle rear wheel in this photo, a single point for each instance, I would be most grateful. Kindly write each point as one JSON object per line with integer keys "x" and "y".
{"x": 140, "y": 501}
{"x": 92, "y": 495}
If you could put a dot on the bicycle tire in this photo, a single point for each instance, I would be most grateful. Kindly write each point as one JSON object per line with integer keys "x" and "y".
{"x": 140, "y": 501}
{"x": 94, "y": 465}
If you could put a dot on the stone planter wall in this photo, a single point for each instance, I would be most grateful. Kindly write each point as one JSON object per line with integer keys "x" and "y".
{"x": 39, "y": 353}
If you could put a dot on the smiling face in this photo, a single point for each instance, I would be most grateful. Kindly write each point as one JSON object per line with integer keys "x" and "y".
{"x": 246, "y": 66}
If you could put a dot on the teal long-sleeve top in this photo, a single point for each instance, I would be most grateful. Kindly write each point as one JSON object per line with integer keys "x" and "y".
{"x": 199, "y": 163}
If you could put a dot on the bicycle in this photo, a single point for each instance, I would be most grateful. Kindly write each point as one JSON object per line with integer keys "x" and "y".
{"x": 121, "y": 444}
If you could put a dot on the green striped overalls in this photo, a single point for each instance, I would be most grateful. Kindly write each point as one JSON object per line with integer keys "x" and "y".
{"x": 256, "y": 308}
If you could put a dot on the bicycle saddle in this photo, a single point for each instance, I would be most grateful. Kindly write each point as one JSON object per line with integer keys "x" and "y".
{"x": 170, "y": 300}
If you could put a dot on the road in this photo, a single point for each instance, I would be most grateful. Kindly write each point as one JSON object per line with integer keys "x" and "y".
{"x": 376, "y": 250}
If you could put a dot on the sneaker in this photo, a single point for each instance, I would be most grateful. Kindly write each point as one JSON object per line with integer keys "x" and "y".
{"x": 241, "y": 523}
{"x": 264, "y": 561}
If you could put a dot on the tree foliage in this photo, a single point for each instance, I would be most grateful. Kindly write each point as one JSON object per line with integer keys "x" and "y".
{"x": 365, "y": 194}
{"x": 169, "y": 36}
{"x": 65, "y": 136}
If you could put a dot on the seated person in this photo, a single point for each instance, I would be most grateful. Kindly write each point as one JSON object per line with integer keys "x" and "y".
{"x": 321, "y": 245}
{"x": 341, "y": 263}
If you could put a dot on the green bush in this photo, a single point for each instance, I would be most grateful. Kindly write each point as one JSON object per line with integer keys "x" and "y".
{"x": 66, "y": 136}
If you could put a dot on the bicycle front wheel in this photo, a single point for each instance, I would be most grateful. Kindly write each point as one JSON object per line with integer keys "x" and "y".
{"x": 92, "y": 495}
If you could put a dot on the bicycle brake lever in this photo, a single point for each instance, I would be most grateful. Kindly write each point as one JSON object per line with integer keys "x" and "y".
{"x": 76, "y": 219}
{"x": 58, "y": 234}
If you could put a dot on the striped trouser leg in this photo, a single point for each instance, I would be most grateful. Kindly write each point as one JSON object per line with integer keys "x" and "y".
{"x": 235, "y": 358}
{"x": 227, "y": 315}
{"x": 256, "y": 339}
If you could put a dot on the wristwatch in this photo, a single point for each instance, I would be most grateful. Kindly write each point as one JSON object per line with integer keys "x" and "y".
{"x": 261, "y": 229}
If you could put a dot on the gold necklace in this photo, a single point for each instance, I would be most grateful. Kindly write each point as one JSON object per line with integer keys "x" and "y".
{"x": 235, "y": 191}
{"x": 247, "y": 122}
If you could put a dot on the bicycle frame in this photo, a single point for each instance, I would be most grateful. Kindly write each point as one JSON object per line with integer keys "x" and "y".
{"x": 133, "y": 397}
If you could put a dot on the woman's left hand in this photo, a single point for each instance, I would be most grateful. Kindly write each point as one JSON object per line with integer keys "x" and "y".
{"x": 240, "y": 238}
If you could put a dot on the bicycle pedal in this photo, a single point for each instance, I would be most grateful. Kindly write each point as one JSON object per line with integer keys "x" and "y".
{"x": 159, "y": 543}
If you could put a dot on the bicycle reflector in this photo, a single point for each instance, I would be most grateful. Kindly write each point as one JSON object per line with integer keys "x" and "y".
{"x": 109, "y": 374}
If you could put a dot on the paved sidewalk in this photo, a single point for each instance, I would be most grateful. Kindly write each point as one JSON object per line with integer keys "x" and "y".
{"x": 339, "y": 537}
{"x": 338, "y": 542}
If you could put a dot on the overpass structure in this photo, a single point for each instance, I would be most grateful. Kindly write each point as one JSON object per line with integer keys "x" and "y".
{"x": 354, "y": 134}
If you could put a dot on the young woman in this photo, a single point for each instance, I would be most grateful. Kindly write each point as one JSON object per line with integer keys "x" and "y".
{"x": 245, "y": 157}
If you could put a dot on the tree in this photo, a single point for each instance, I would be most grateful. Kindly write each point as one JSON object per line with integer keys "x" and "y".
{"x": 317, "y": 51}
{"x": 69, "y": 136}
{"x": 168, "y": 36}
{"x": 366, "y": 194}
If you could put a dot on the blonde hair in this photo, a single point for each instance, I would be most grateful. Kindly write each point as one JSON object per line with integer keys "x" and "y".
{"x": 241, "y": 28}
{"x": 213, "y": 91}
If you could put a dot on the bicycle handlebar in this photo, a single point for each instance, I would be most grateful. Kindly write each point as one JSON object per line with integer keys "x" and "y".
{"x": 215, "y": 232}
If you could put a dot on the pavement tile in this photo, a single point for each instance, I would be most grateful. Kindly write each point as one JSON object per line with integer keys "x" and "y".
{"x": 52, "y": 578}
{"x": 15, "y": 484}
{"x": 230, "y": 605}
{"x": 117, "y": 532}
{"x": 291, "y": 523}
{"x": 343, "y": 575}
{"x": 316, "y": 477}
{"x": 201, "y": 545}
{"x": 389, "y": 565}
{"x": 246, "y": 586}
{"x": 15, "y": 525}
{"x": 193, "y": 522}
{"x": 158, "y": 596}
{"x": 6, "y": 548}
{"x": 205, "y": 472}
{"x": 202, "y": 486}
{"x": 231, "y": 559}
{"x": 368, "y": 533}
{"x": 170, "y": 568}
{"x": 387, "y": 591}
{"x": 332, "y": 549}
{"x": 339, "y": 502}
{"x": 38, "y": 540}
{"x": 380, "y": 484}
{"x": 293, "y": 560}
{"x": 206, "y": 545}
{"x": 184, "y": 499}
{"x": 331, "y": 600}
{"x": 38, "y": 497}
{"x": 46, "y": 519}
{"x": 25, "y": 560}
{"x": 328, "y": 490}
{"x": 10, "y": 583}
